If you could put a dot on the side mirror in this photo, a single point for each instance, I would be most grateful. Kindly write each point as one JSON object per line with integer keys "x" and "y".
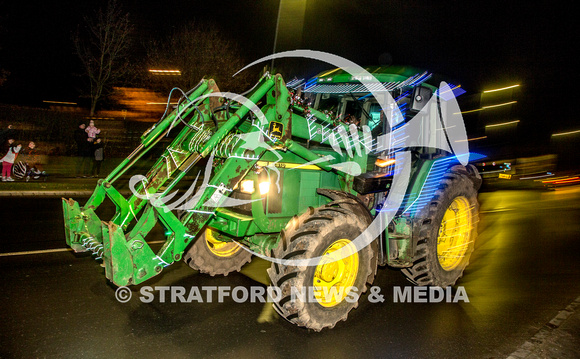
{"x": 421, "y": 95}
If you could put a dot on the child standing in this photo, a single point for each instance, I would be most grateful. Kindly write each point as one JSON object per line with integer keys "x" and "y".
{"x": 8, "y": 160}
{"x": 92, "y": 131}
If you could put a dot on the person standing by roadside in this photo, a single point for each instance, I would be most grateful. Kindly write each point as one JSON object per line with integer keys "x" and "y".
{"x": 8, "y": 160}
{"x": 83, "y": 151}
{"x": 4, "y": 135}
{"x": 99, "y": 151}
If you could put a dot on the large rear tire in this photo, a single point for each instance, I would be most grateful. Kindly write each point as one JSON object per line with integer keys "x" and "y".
{"x": 210, "y": 255}
{"x": 448, "y": 230}
{"x": 322, "y": 232}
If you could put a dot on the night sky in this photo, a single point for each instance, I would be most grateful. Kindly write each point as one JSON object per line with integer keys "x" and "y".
{"x": 480, "y": 44}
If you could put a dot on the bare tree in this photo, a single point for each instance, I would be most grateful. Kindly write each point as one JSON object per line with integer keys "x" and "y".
{"x": 102, "y": 49}
{"x": 197, "y": 51}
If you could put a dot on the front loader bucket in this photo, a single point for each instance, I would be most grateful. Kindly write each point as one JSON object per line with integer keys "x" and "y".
{"x": 128, "y": 261}
{"x": 72, "y": 224}
{"x": 83, "y": 229}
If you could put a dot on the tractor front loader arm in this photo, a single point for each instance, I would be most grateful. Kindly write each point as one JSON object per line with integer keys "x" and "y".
{"x": 127, "y": 257}
{"x": 82, "y": 226}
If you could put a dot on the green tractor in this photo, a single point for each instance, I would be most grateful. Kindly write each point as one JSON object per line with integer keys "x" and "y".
{"x": 328, "y": 179}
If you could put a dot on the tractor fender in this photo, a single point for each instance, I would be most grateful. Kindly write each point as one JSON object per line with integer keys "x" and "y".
{"x": 348, "y": 201}
{"x": 470, "y": 171}
{"x": 474, "y": 176}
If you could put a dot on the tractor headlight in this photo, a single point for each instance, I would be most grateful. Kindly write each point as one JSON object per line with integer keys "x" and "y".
{"x": 264, "y": 187}
{"x": 247, "y": 186}
{"x": 385, "y": 162}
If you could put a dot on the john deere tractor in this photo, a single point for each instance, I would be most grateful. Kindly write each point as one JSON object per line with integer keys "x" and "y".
{"x": 328, "y": 179}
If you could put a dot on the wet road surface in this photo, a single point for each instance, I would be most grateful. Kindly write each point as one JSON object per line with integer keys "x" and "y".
{"x": 523, "y": 271}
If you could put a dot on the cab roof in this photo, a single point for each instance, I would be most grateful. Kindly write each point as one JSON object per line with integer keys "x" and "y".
{"x": 391, "y": 77}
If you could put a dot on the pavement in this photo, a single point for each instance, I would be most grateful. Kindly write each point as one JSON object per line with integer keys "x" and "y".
{"x": 559, "y": 338}
{"x": 56, "y": 186}
{"x": 61, "y": 180}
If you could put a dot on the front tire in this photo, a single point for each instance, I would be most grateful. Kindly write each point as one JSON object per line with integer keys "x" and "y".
{"x": 336, "y": 285}
{"x": 210, "y": 255}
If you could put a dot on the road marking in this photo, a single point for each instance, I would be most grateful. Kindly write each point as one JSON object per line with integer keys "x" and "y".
{"x": 35, "y": 252}
{"x": 45, "y": 251}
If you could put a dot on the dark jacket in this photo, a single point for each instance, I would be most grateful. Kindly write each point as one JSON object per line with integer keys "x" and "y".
{"x": 6, "y": 134}
{"x": 5, "y": 147}
{"x": 83, "y": 145}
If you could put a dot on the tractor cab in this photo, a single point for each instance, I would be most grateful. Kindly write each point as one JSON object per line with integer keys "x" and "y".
{"x": 347, "y": 98}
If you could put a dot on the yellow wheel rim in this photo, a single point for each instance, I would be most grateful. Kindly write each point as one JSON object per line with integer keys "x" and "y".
{"x": 220, "y": 248}
{"x": 454, "y": 234}
{"x": 334, "y": 278}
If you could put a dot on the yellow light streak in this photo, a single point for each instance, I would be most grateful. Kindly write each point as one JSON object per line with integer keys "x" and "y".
{"x": 451, "y": 90}
{"x": 165, "y": 72}
{"x": 498, "y": 105}
{"x": 503, "y": 124}
{"x": 565, "y": 133}
{"x": 501, "y": 89}
{"x": 563, "y": 180}
{"x": 468, "y": 111}
{"x": 60, "y": 102}
{"x": 473, "y": 139}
